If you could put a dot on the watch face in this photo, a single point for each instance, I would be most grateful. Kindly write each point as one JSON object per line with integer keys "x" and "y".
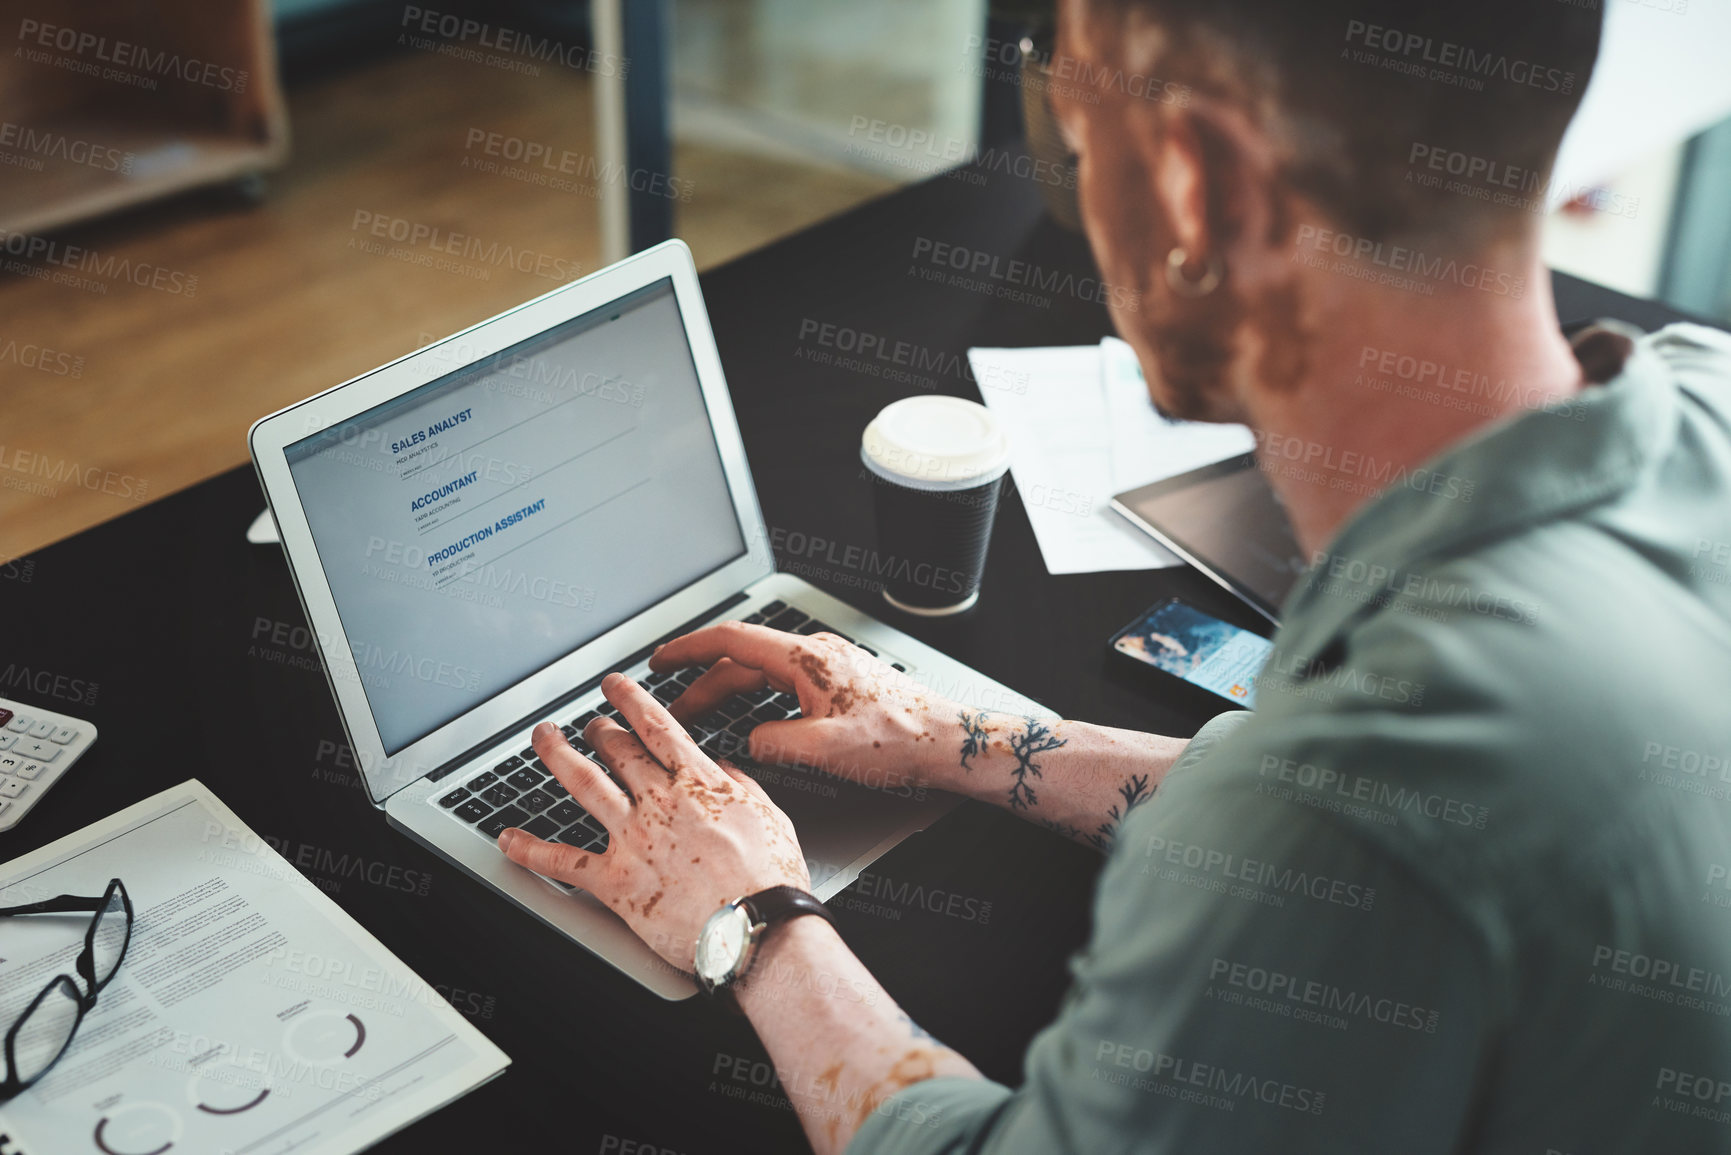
{"x": 721, "y": 946}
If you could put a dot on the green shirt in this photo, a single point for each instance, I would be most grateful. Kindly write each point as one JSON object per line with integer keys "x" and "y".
{"x": 1463, "y": 881}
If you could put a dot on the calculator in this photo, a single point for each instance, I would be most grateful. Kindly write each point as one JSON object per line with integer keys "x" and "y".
{"x": 37, "y": 747}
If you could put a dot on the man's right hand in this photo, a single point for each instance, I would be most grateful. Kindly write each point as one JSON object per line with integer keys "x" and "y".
{"x": 869, "y": 723}
{"x": 863, "y": 720}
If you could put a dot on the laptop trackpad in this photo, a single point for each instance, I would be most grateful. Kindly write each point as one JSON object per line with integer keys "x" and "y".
{"x": 838, "y": 822}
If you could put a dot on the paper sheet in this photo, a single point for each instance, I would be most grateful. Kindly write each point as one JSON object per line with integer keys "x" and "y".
{"x": 1146, "y": 447}
{"x": 250, "y": 1014}
{"x": 1081, "y": 430}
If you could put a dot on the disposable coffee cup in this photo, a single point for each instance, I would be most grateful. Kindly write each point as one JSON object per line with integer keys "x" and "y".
{"x": 937, "y": 465}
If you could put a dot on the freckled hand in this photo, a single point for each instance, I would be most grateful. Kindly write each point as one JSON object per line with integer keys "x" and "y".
{"x": 866, "y": 722}
{"x": 860, "y": 719}
{"x": 686, "y": 834}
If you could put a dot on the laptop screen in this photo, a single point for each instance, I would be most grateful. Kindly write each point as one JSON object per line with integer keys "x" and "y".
{"x": 484, "y": 525}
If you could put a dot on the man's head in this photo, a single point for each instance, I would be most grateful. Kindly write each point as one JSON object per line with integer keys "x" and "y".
{"x": 1220, "y": 139}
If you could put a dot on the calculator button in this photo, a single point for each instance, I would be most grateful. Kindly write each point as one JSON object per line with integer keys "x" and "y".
{"x": 37, "y": 748}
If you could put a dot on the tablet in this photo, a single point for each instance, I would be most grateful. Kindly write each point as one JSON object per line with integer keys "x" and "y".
{"x": 1226, "y": 521}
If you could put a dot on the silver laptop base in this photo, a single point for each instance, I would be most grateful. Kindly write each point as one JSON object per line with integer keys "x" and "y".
{"x": 842, "y": 828}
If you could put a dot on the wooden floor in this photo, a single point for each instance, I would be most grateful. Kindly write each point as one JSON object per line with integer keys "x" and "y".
{"x": 114, "y": 392}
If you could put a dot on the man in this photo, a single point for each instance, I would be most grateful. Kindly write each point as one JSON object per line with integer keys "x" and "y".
{"x": 1461, "y": 882}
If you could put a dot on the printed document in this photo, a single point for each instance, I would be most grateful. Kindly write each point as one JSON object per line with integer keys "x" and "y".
{"x": 1083, "y": 429}
{"x": 250, "y": 1014}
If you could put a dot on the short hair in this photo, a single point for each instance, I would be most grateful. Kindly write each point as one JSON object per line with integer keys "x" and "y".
{"x": 1403, "y": 119}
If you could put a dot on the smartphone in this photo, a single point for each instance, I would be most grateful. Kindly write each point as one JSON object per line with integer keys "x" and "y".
{"x": 1180, "y": 639}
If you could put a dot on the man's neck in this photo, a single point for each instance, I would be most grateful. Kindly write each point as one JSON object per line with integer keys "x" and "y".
{"x": 1396, "y": 380}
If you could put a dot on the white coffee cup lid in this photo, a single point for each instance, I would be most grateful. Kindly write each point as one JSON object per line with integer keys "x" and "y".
{"x": 936, "y": 442}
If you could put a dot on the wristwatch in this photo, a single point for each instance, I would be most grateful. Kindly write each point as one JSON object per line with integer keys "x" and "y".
{"x": 729, "y": 939}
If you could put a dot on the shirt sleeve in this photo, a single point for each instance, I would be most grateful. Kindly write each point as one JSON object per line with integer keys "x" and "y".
{"x": 1259, "y": 978}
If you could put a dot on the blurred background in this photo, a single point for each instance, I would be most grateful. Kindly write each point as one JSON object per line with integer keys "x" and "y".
{"x": 212, "y": 208}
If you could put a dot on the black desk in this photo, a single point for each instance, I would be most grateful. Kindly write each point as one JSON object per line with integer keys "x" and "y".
{"x": 191, "y": 648}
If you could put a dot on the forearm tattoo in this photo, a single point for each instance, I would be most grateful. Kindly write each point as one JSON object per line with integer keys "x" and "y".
{"x": 1065, "y": 830}
{"x": 1032, "y": 738}
{"x": 973, "y": 736}
{"x": 1036, "y": 738}
{"x": 1134, "y": 792}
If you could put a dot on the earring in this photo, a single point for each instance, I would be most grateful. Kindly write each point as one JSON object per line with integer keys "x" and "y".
{"x": 1183, "y": 285}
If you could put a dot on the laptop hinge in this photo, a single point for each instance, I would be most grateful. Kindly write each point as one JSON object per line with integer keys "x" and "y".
{"x": 576, "y": 692}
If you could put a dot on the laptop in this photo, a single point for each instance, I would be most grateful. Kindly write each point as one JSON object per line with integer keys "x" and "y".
{"x": 483, "y": 529}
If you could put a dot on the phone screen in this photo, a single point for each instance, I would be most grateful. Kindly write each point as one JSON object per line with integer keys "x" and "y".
{"x": 1180, "y": 639}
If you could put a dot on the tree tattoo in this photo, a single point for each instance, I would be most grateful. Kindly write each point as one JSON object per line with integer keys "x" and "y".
{"x": 1036, "y": 738}
{"x": 1066, "y": 830}
{"x": 973, "y": 736}
{"x": 1134, "y": 792}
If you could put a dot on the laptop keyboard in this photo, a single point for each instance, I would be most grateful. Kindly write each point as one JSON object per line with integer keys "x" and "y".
{"x": 520, "y": 791}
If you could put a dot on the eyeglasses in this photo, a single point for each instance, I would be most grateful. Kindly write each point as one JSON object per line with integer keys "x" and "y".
{"x": 43, "y": 1032}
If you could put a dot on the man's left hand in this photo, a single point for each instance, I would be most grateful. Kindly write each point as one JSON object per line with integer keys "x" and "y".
{"x": 691, "y": 834}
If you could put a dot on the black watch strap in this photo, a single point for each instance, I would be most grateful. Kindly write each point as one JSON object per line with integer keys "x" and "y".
{"x": 770, "y": 908}
{"x": 780, "y": 903}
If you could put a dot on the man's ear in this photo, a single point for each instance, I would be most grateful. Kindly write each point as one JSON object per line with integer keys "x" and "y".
{"x": 1202, "y": 178}
{"x": 1179, "y": 183}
